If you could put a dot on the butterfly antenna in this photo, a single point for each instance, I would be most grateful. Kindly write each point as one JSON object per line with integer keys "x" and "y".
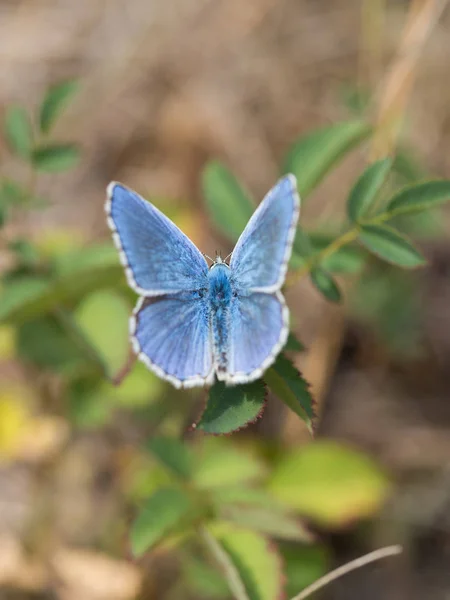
{"x": 208, "y": 257}
{"x": 227, "y": 257}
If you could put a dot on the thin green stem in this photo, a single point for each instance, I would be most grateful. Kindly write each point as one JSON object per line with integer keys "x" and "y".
{"x": 226, "y": 565}
{"x": 346, "y": 238}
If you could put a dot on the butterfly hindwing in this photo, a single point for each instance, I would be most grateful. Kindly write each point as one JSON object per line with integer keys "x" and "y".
{"x": 258, "y": 331}
{"x": 170, "y": 334}
{"x": 157, "y": 256}
{"x": 259, "y": 260}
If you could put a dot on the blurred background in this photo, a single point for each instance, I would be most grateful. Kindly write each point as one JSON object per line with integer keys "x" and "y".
{"x": 163, "y": 87}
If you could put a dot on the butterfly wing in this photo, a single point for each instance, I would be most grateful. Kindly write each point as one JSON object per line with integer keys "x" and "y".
{"x": 170, "y": 334}
{"x": 260, "y": 258}
{"x": 259, "y": 326}
{"x": 157, "y": 256}
{"x": 259, "y": 317}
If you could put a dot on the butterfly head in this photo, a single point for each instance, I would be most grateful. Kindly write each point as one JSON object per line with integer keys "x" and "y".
{"x": 218, "y": 260}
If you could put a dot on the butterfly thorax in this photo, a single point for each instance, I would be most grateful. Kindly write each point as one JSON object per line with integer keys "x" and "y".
{"x": 220, "y": 297}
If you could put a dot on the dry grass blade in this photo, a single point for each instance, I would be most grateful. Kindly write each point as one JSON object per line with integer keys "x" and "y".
{"x": 351, "y": 566}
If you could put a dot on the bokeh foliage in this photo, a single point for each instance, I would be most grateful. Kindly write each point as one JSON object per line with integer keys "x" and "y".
{"x": 64, "y": 311}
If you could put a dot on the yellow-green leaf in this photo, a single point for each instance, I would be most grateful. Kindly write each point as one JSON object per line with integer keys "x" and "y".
{"x": 329, "y": 483}
{"x": 103, "y": 318}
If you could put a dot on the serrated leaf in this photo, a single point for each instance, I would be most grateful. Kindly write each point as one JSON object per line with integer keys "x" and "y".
{"x": 286, "y": 383}
{"x": 228, "y": 204}
{"x": 257, "y": 563}
{"x": 103, "y": 317}
{"x": 329, "y": 483}
{"x": 313, "y": 155}
{"x": 161, "y": 514}
{"x": 18, "y": 131}
{"x": 172, "y": 454}
{"x": 55, "y": 158}
{"x": 231, "y": 408}
{"x": 366, "y": 188}
{"x": 220, "y": 464}
{"x": 419, "y": 197}
{"x": 391, "y": 246}
{"x": 54, "y": 102}
{"x": 326, "y": 284}
{"x": 293, "y": 344}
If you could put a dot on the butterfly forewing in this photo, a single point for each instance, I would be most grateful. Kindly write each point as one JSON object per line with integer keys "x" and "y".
{"x": 157, "y": 256}
{"x": 259, "y": 260}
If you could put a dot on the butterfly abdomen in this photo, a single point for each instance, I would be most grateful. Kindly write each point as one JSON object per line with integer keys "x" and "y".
{"x": 220, "y": 295}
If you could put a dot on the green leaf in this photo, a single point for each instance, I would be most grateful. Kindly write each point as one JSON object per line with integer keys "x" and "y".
{"x": 407, "y": 166}
{"x": 231, "y": 408}
{"x": 314, "y": 154}
{"x": 220, "y": 464}
{"x": 203, "y": 580}
{"x": 54, "y": 102}
{"x": 257, "y": 562}
{"x": 329, "y": 483}
{"x": 3, "y": 214}
{"x": 350, "y": 258}
{"x": 55, "y": 158}
{"x": 18, "y": 131}
{"x": 162, "y": 514}
{"x": 303, "y": 565}
{"x": 46, "y": 344}
{"x": 11, "y": 193}
{"x": 293, "y": 344}
{"x": 287, "y": 384}
{"x": 269, "y": 520}
{"x": 26, "y": 252}
{"x": 366, "y": 188}
{"x": 325, "y": 284}
{"x": 229, "y": 206}
{"x": 27, "y": 297}
{"x": 103, "y": 319}
{"x": 172, "y": 454}
{"x": 419, "y": 197}
{"x": 391, "y": 246}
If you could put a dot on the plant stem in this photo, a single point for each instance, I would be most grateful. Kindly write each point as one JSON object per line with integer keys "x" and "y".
{"x": 227, "y": 567}
{"x": 351, "y": 566}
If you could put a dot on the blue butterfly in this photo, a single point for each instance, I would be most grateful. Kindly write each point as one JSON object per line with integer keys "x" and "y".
{"x": 193, "y": 322}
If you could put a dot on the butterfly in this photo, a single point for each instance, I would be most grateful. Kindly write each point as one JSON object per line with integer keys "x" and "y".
{"x": 194, "y": 323}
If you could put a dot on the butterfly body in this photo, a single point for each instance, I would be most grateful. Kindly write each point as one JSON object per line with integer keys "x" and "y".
{"x": 193, "y": 323}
